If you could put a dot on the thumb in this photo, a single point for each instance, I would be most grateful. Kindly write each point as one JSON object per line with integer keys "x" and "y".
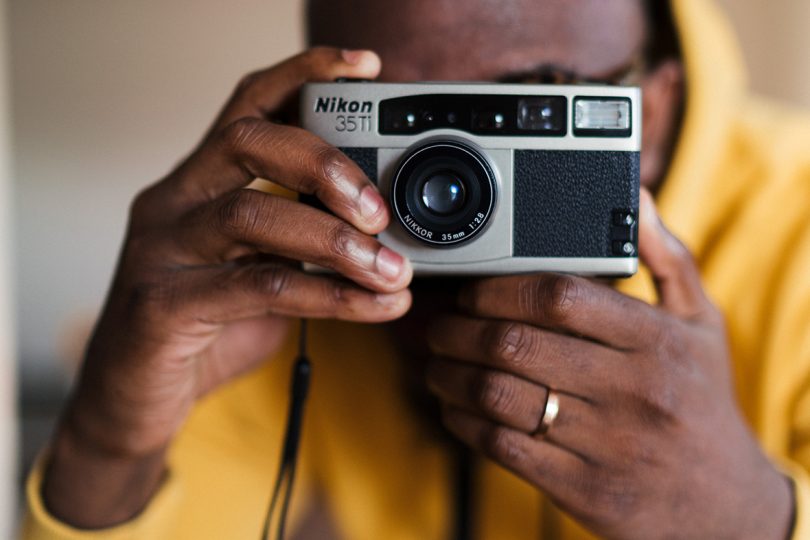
{"x": 674, "y": 271}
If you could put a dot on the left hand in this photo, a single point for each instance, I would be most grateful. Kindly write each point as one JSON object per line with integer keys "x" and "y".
{"x": 649, "y": 441}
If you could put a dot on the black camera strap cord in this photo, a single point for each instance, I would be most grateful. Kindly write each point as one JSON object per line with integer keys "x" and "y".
{"x": 299, "y": 388}
{"x": 463, "y": 495}
{"x": 282, "y": 491}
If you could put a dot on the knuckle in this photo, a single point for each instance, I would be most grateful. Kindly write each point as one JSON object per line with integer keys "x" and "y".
{"x": 339, "y": 299}
{"x": 550, "y": 297}
{"x": 240, "y": 135}
{"x": 140, "y": 205}
{"x": 656, "y": 402}
{"x": 247, "y": 82}
{"x": 562, "y": 295}
{"x": 511, "y": 344}
{"x": 502, "y": 445}
{"x": 272, "y": 282}
{"x": 494, "y": 393}
{"x": 240, "y": 215}
{"x": 152, "y": 206}
{"x": 330, "y": 164}
{"x": 342, "y": 243}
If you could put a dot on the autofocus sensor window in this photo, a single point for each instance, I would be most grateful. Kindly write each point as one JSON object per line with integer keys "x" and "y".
{"x": 443, "y": 193}
{"x": 542, "y": 114}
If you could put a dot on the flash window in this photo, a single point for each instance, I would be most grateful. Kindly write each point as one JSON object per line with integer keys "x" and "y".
{"x": 602, "y": 117}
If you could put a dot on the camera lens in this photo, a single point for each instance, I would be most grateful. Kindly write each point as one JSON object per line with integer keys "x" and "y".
{"x": 443, "y": 194}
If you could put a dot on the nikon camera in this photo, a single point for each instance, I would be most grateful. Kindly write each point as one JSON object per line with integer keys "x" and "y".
{"x": 488, "y": 179}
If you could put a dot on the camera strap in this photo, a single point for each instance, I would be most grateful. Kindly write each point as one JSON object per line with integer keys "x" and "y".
{"x": 463, "y": 494}
{"x": 282, "y": 491}
{"x": 299, "y": 387}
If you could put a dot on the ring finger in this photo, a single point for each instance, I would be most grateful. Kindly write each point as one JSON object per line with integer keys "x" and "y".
{"x": 563, "y": 362}
{"x": 516, "y": 403}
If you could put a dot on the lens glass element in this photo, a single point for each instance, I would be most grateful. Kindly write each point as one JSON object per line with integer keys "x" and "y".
{"x": 443, "y": 194}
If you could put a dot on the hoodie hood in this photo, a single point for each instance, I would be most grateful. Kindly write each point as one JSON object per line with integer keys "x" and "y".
{"x": 716, "y": 89}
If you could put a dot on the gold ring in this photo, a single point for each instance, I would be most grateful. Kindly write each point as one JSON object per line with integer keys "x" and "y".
{"x": 550, "y": 412}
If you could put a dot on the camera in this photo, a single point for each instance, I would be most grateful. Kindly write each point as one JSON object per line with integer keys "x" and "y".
{"x": 486, "y": 179}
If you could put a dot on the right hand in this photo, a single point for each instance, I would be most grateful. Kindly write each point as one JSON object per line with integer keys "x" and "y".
{"x": 205, "y": 284}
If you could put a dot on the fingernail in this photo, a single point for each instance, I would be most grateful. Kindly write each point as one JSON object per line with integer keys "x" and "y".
{"x": 389, "y": 300}
{"x": 390, "y": 264}
{"x": 648, "y": 210}
{"x": 371, "y": 204}
{"x": 352, "y": 57}
{"x": 646, "y": 201}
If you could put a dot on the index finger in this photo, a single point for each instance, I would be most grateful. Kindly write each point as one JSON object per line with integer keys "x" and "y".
{"x": 290, "y": 157}
{"x": 260, "y": 93}
{"x": 564, "y": 303}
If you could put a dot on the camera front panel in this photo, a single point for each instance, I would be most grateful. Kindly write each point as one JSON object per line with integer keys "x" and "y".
{"x": 565, "y": 192}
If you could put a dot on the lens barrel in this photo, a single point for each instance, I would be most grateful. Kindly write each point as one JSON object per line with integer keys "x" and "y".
{"x": 443, "y": 193}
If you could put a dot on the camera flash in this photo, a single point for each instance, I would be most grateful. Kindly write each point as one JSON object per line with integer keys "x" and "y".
{"x": 602, "y": 114}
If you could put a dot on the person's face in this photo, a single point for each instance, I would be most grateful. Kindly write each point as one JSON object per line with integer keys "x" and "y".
{"x": 484, "y": 39}
{"x": 493, "y": 40}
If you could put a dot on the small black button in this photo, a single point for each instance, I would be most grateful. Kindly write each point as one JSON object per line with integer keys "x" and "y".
{"x": 624, "y": 218}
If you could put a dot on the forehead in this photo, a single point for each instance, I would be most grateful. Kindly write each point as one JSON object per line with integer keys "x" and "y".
{"x": 482, "y": 39}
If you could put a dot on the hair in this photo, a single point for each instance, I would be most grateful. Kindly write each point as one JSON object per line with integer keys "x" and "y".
{"x": 662, "y": 34}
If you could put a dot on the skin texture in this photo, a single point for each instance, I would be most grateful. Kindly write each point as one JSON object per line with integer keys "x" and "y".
{"x": 649, "y": 441}
{"x": 204, "y": 286}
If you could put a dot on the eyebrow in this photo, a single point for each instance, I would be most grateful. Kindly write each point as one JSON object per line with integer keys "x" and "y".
{"x": 535, "y": 72}
{"x": 548, "y": 70}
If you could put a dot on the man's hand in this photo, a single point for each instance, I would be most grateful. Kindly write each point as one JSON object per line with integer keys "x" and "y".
{"x": 649, "y": 442}
{"x": 206, "y": 278}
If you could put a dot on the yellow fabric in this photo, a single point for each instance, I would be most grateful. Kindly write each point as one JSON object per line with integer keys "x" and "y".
{"x": 738, "y": 195}
{"x": 154, "y": 523}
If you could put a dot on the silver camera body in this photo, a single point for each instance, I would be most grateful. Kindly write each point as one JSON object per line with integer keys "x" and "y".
{"x": 487, "y": 179}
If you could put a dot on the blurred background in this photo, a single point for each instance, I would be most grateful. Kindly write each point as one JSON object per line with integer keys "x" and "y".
{"x": 105, "y": 97}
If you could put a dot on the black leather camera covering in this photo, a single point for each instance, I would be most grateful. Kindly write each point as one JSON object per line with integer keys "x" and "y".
{"x": 564, "y": 201}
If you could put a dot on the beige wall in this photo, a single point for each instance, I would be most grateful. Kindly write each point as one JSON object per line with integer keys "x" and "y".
{"x": 108, "y": 94}
{"x": 8, "y": 391}
{"x": 775, "y": 35}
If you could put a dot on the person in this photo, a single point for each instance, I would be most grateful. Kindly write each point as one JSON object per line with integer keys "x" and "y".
{"x": 682, "y": 395}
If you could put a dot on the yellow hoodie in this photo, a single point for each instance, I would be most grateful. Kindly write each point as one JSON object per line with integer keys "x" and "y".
{"x": 738, "y": 194}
